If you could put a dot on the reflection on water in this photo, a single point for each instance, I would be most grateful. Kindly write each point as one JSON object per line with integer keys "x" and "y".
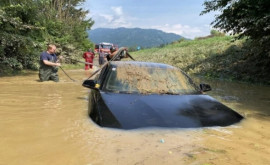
{"x": 245, "y": 97}
{"x": 47, "y": 123}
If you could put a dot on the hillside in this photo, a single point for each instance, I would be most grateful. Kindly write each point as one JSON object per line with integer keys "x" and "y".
{"x": 132, "y": 37}
{"x": 217, "y": 57}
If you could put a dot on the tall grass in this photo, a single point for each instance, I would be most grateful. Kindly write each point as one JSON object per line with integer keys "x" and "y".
{"x": 218, "y": 57}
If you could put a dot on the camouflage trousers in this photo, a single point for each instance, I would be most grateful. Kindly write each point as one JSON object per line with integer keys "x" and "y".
{"x": 46, "y": 74}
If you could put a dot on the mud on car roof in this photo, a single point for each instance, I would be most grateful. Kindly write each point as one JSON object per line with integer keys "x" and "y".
{"x": 140, "y": 64}
{"x": 132, "y": 94}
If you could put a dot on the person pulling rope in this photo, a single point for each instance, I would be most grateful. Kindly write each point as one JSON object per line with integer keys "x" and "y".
{"x": 114, "y": 56}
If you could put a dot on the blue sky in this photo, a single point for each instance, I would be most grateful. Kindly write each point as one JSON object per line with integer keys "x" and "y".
{"x": 173, "y": 16}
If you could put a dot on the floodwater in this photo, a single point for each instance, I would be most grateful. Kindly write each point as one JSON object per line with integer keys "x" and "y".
{"x": 47, "y": 123}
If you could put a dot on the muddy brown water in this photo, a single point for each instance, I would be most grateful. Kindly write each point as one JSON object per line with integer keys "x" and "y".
{"x": 47, "y": 123}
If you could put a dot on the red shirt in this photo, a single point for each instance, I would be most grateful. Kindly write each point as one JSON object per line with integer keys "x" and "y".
{"x": 88, "y": 56}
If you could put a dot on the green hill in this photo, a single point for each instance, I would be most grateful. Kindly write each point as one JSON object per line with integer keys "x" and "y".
{"x": 218, "y": 57}
{"x": 132, "y": 37}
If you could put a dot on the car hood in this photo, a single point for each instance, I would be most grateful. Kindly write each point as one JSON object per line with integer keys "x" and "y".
{"x": 182, "y": 111}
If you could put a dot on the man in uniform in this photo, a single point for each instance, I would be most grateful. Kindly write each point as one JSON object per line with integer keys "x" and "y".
{"x": 49, "y": 65}
{"x": 89, "y": 57}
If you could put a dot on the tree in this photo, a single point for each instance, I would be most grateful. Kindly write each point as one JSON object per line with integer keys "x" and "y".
{"x": 18, "y": 46}
{"x": 27, "y": 26}
{"x": 246, "y": 18}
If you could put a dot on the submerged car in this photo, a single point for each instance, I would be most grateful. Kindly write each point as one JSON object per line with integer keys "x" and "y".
{"x": 131, "y": 94}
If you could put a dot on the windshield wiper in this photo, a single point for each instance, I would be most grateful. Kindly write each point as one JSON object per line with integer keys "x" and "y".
{"x": 169, "y": 93}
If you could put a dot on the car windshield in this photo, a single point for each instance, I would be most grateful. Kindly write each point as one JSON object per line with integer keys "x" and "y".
{"x": 149, "y": 80}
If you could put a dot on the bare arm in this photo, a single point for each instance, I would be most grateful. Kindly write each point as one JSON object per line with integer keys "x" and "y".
{"x": 112, "y": 54}
{"x": 46, "y": 62}
{"x": 121, "y": 49}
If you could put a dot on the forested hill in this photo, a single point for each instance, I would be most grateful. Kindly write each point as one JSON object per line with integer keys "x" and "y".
{"x": 132, "y": 37}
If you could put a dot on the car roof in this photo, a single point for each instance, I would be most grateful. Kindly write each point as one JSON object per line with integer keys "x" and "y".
{"x": 140, "y": 64}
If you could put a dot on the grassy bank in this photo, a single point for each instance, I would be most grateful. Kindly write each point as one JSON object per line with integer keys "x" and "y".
{"x": 73, "y": 66}
{"x": 217, "y": 57}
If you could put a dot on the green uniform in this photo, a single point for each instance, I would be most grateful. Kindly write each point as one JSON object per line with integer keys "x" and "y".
{"x": 47, "y": 72}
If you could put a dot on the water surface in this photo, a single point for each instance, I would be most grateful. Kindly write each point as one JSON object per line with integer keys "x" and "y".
{"x": 47, "y": 123}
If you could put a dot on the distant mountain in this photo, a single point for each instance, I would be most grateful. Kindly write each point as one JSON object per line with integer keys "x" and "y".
{"x": 132, "y": 37}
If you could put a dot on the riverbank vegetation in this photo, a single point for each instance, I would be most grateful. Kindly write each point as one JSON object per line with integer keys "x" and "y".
{"x": 27, "y": 27}
{"x": 214, "y": 57}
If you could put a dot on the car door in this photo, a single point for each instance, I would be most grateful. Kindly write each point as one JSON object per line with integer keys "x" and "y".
{"x": 94, "y": 96}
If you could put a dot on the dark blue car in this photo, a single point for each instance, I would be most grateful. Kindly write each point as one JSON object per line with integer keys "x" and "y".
{"x": 131, "y": 94}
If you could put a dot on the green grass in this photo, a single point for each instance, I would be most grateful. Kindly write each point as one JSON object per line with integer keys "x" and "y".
{"x": 216, "y": 57}
{"x": 73, "y": 66}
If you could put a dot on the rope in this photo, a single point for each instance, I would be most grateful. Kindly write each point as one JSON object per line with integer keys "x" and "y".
{"x": 112, "y": 59}
{"x": 73, "y": 60}
{"x": 120, "y": 51}
{"x": 79, "y": 61}
{"x": 66, "y": 74}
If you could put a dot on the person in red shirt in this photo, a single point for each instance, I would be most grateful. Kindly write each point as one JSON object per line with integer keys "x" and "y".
{"x": 89, "y": 57}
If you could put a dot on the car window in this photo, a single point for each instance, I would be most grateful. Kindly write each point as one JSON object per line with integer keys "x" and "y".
{"x": 101, "y": 75}
{"x": 148, "y": 80}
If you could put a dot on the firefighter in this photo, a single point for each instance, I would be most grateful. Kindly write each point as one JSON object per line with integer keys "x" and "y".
{"x": 49, "y": 65}
{"x": 89, "y": 57}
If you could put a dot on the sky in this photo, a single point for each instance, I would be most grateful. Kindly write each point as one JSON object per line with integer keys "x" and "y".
{"x": 172, "y": 16}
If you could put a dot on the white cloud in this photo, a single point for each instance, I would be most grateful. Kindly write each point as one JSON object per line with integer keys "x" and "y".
{"x": 107, "y": 17}
{"x": 117, "y": 10}
{"x": 183, "y": 30}
{"x": 113, "y": 18}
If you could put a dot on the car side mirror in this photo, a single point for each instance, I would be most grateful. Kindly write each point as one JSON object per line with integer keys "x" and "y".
{"x": 90, "y": 84}
{"x": 205, "y": 87}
